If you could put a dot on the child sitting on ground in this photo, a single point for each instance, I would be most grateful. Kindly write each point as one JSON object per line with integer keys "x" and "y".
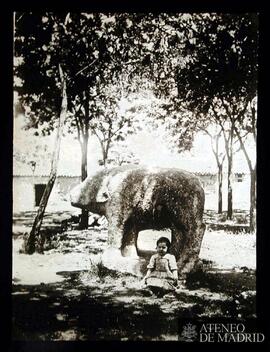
{"x": 162, "y": 276}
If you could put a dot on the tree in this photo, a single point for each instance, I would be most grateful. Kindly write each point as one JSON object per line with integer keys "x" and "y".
{"x": 194, "y": 58}
{"x": 92, "y": 48}
{"x": 228, "y": 137}
{"x": 32, "y": 242}
{"x": 220, "y": 157}
{"x": 113, "y": 123}
{"x": 220, "y": 150}
{"x": 181, "y": 124}
{"x": 28, "y": 159}
{"x": 245, "y": 125}
{"x": 220, "y": 70}
{"x": 32, "y": 153}
{"x": 121, "y": 155}
{"x": 202, "y": 62}
{"x": 41, "y": 42}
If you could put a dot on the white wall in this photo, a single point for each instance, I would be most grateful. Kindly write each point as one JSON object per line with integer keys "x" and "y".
{"x": 23, "y": 194}
{"x": 240, "y": 195}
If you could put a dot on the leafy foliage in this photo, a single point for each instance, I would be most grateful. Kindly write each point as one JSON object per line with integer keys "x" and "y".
{"x": 199, "y": 65}
{"x": 94, "y": 49}
{"x": 223, "y": 63}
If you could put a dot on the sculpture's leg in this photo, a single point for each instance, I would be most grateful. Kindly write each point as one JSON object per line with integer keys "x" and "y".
{"x": 114, "y": 240}
{"x": 115, "y": 233}
{"x": 129, "y": 241}
{"x": 177, "y": 242}
{"x": 191, "y": 249}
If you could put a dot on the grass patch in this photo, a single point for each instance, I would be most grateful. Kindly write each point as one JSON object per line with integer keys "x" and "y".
{"x": 232, "y": 282}
{"x": 100, "y": 271}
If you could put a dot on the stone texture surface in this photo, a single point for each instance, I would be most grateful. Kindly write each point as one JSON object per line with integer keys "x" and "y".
{"x": 134, "y": 199}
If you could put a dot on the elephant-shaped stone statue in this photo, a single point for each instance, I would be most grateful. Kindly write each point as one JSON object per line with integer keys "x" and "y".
{"x": 135, "y": 198}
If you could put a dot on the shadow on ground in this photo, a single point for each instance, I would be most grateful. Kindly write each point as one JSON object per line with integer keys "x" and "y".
{"x": 113, "y": 308}
{"x": 101, "y": 304}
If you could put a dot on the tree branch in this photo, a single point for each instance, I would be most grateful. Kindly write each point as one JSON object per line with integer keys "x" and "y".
{"x": 240, "y": 138}
{"x": 96, "y": 134}
{"x": 215, "y": 150}
{"x": 242, "y": 113}
{"x": 243, "y": 148}
{"x": 78, "y": 129}
{"x": 253, "y": 122}
{"x": 83, "y": 69}
{"x": 18, "y": 20}
{"x": 114, "y": 132}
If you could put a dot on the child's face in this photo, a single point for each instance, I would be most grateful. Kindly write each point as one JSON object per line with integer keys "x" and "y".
{"x": 162, "y": 248}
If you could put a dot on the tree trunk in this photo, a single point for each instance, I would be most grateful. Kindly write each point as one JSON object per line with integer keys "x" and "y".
{"x": 230, "y": 195}
{"x": 105, "y": 152}
{"x": 107, "y": 148}
{"x": 84, "y": 213}
{"x": 34, "y": 242}
{"x": 252, "y": 208}
{"x": 220, "y": 183}
{"x": 230, "y": 176}
{"x": 252, "y": 212}
{"x": 215, "y": 149}
{"x": 104, "y": 157}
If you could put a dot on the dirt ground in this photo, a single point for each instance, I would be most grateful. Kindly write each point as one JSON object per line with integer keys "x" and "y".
{"x": 68, "y": 294}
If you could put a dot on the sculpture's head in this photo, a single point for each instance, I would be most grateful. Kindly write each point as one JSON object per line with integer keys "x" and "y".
{"x": 92, "y": 194}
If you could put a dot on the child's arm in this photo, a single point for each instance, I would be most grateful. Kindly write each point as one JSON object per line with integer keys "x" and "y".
{"x": 148, "y": 273}
{"x": 173, "y": 267}
{"x": 175, "y": 274}
{"x": 150, "y": 267}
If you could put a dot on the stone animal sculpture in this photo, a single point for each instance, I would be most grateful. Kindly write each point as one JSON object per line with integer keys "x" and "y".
{"x": 134, "y": 198}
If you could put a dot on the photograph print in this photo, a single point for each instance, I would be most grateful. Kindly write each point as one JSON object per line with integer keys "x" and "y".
{"x": 134, "y": 177}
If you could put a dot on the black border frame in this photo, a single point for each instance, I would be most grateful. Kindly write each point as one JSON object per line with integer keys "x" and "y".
{"x": 6, "y": 140}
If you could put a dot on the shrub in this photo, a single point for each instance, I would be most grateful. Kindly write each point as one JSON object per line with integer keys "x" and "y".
{"x": 241, "y": 219}
{"x": 99, "y": 270}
